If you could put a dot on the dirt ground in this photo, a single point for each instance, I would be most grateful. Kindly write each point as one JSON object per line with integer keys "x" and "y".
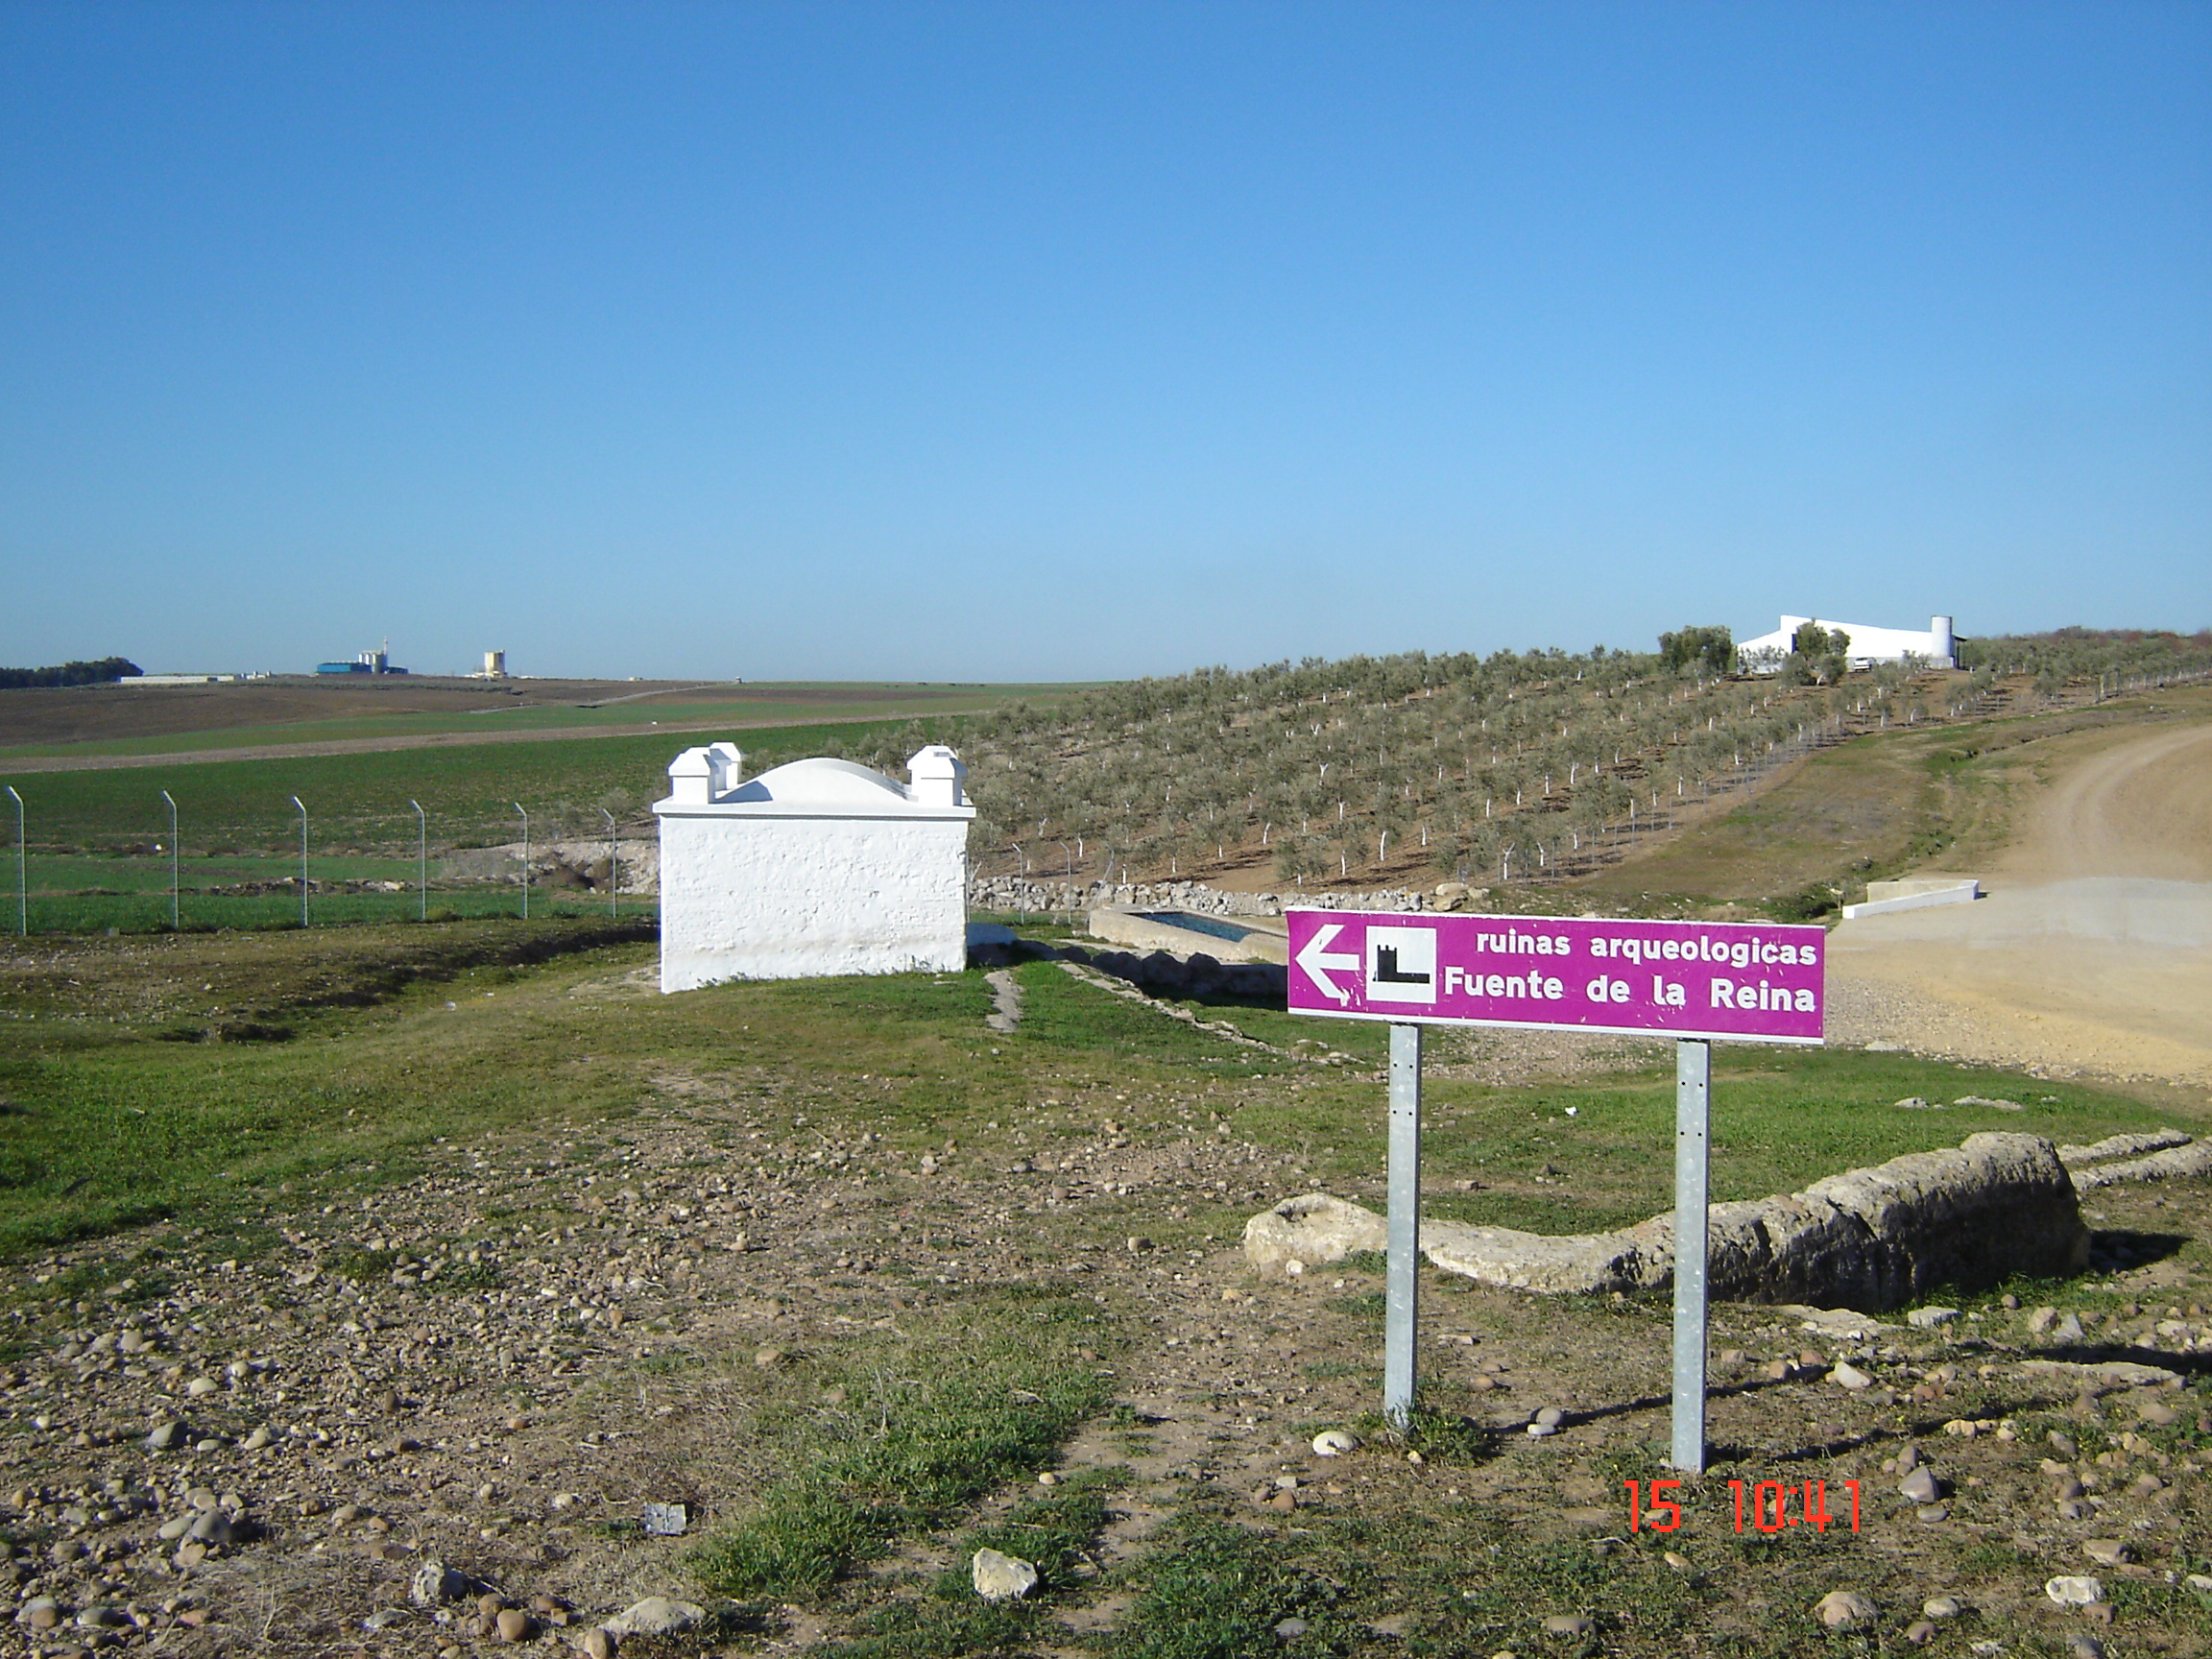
{"x": 361, "y": 1425}
{"x": 2091, "y": 953}
{"x": 638, "y": 1293}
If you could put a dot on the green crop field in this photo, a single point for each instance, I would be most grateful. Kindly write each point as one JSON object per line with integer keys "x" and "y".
{"x": 357, "y": 804}
{"x": 523, "y": 706}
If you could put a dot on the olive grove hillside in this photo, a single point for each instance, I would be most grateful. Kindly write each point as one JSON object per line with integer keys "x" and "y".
{"x": 1377, "y": 770}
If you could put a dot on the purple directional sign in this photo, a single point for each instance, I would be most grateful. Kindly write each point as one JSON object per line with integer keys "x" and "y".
{"x": 1739, "y": 982}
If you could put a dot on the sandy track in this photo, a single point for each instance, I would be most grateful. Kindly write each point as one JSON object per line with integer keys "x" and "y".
{"x": 2138, "y": 808}
{"x": 2092, "y": 954}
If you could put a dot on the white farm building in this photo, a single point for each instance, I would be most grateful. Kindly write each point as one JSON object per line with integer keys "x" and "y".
{"x": 815, "y": 867}
{"x": 1938, "y": 647}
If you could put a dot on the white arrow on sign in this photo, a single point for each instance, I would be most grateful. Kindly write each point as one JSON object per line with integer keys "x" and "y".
{"x": 1317, "y": 958}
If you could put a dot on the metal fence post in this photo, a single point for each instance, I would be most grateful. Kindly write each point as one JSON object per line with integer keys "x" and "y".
{"x": 302, "y": 860}
{"x": 1401, "y": 1264}
{"x": 421, "y": 861}
{"x": 173, "y": 923}
{"x": 1693, "y": 1138}
{"x": 614, "y": 868}
{"x": 22, "y": 870}
{"x": 525, "y": 861}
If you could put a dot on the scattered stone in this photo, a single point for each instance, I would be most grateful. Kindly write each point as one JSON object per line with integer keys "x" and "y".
{"x": 1335, "y": 1443}
{"x": 2083, "y": 1646}
{"x": 514, "y": 1626}
{"x": 666, "y": 1520}
{"x": 167, "y": 1437}
{"x": 435, "y": 1583}
{"x": 656, "y": 1616}
{"x": 1549, "y": 1416}
{"x": 1921, "y": 1486}
{"x": 213, "y": 1529}
{"x": 1931, "y": 1513}
{"x": 1930, "y": 1318}
{"x": 1845, "y": 1610}
{"x": 1847, "y": 1375}
{"x": 2108, "y": 1552}
{"x": 1920, "y": 1633}
{"x": 595, "y": 1644}
{"x": 768, "y": 1358}
{"x": 1290, "y": 1629}
{"x": 2042, "y": 1319}
{"x": 1569, "y": 1624}
{"x": 1002, "y": 1578}
{"x": 1943, "y": 1607}
{"x": 1916, "y": 1103}
{"x": 2073, "y": 1590}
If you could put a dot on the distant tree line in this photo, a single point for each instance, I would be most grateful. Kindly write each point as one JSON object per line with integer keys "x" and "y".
{"x": 100, "y": 673}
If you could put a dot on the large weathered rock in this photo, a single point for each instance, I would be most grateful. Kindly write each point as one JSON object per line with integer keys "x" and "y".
{"x": 1873, "y": 1239}
{"x": 2000, "y": 1205}
{"x": 1307, "y": 1230}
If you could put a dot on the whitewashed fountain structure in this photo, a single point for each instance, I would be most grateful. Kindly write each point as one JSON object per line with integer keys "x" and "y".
{"x": 814, "y": 867}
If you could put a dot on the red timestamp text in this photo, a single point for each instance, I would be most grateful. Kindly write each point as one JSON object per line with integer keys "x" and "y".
{"x": 1768, "y": 1506}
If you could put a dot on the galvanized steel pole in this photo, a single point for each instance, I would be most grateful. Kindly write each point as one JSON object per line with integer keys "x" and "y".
{"x": 1693, "y": 1144}
{"x": 173, "y": 921}
{"x": 422, "y": 860}
{"x": 302, "y": 860}
{"x": 525, "y": 861}
{"x": 22, "y": 868}
{"x": 1403, "y": 1259}
{"x": 614, "y": 868}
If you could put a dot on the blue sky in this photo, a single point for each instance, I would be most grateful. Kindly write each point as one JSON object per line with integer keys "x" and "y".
{"x": 1044, "y": 340}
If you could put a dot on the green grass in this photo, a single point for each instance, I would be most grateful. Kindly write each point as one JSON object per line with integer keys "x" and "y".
{"x": 924, "y": 1430}
{"x": 1216, "y": 1590}
{"x": 1781, "y": 1117}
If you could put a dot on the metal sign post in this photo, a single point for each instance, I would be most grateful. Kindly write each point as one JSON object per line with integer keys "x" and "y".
{"x": 1693, "y": 1139}
{"x": 1401, "y": 1323}
{"x": 1697, "y": 983}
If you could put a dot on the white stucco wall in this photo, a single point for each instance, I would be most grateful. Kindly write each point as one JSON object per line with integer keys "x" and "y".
{"x": 1935, "y": 644}
{"x": 814, "y": 868}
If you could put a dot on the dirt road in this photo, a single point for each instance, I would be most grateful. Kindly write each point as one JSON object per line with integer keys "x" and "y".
{"x": 2092, "y": 953}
